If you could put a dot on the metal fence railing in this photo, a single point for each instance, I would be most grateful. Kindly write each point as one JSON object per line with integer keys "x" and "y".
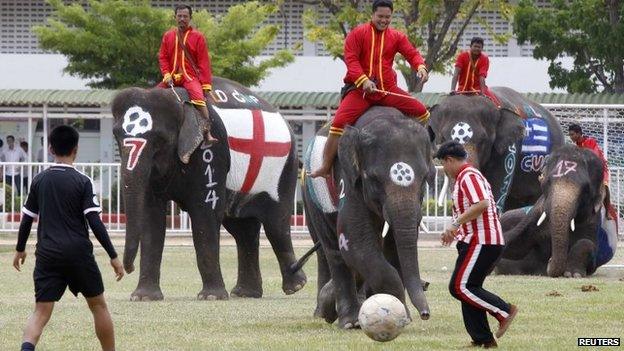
{"x": 436, "y": 206}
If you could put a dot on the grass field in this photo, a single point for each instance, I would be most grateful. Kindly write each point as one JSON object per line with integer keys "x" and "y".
{"x": 280, "y": 322}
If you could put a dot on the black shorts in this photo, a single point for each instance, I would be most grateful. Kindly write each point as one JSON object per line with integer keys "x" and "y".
{"x": 82, "y": 276}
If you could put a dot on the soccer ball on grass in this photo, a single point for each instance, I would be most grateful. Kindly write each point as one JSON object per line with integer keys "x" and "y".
{"x": 382, "y": 317}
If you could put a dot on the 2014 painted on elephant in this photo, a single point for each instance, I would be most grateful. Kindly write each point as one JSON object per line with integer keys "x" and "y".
{"x": 211, "y": 196}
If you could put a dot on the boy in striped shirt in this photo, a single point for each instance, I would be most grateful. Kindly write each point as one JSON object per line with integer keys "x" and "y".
{"x": 480, "y": 244}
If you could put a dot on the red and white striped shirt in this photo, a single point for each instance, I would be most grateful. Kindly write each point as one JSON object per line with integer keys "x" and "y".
{"x": 472, "y": 187}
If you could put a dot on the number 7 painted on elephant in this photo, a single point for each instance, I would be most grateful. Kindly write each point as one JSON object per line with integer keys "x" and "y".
{"x": 136, "y": 148}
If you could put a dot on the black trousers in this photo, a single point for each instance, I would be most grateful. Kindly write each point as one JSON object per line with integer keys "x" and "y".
{"x": 474, "y": 263}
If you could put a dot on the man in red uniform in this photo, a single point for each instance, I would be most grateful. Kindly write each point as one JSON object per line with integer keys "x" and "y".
{"x": 480, "y": 245}
{"x": 184, "y": 61}
{"x": 471, "y": 67}
{"x": 576, "y": 134}
{"x": 369, "y": 52}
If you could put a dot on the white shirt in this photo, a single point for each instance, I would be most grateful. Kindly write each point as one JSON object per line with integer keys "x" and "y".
{"x": 13, "y": 155}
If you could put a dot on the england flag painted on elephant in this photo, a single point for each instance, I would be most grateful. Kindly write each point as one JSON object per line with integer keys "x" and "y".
{"x": 259, "y": 148}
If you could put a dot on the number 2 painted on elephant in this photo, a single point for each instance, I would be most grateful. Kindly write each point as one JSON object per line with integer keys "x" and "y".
{"x": 342, "y": 192}
{"x": 136, "y": 148}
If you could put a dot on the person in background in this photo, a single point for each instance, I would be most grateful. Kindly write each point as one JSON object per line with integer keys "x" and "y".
{"x": 471, "y": 70}
{"x": 13, "y": 154}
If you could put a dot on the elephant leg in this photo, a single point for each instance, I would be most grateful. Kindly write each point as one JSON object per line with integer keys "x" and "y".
{"x": 152, "y": 244}
{"x": 316, "y": 225}
{"x": 368, "y": 260}
{"x": 278, "y": 232}
{"x": 206, "y": 237}
{"x": 246, "y": 232}
{"x": 581, "y": 259}
{"x": 346, "y": 302}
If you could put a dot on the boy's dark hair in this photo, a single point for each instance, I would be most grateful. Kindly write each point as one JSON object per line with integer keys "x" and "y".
{"x": 382, "y": 3}
{"x": 63, "y": 140}
{"x": 182, "y": 7}
{"x": 10, "y": 137}
{"x": 24, "y": 143}
{"x": 453, "y": 149}
{"x": 476, "y": 40}
{"x": 575, "y": 128}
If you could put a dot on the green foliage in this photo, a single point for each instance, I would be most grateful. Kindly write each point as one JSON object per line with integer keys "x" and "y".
{"x": 427, "y": 24}
{"x": 238, "y": 37}
{"x": 430, "y": 206}
{"x": 116, "y": 42}
{"x": 591, "y": 31}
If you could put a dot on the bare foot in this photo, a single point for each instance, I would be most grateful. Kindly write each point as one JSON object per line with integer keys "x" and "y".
{"x": 324, "y": 171}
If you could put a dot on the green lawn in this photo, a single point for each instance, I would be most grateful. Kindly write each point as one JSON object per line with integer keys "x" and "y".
{"x": 280, "y": 322}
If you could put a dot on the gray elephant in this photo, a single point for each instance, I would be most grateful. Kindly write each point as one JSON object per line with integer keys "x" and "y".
{"x": 245, "y": 180}
{"x": 509, "y": 145}
{"x": 566, "y": 232}
{"x": 383, "y": 162}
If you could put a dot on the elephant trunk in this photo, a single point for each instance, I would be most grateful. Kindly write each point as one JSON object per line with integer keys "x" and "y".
{"x": 137, "y": 207}
{"x": 405, "y": 224}
{"x": 562, "y": 206}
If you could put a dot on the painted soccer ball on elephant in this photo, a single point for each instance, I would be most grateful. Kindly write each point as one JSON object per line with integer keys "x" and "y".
{"x": 462, "y": 132}
{"x": 382, "y": 317}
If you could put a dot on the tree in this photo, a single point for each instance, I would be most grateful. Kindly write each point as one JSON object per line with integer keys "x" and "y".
{"x": 441, "y": 22}
{"x": 590, "y": 31}
{"x": 116, "y": 42}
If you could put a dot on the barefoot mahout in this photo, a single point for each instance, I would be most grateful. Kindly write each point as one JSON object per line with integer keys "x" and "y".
{"x": 383, "y": 163}
{"x": 567, "y": 231}
{"x": 245, "y": 180}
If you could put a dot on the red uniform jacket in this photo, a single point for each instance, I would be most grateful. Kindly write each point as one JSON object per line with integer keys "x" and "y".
{"x": 470, "y": 71}
{"x": 592, "y": 144}
{"x": 173, "y": 61}
{"x": 370, "y": 53}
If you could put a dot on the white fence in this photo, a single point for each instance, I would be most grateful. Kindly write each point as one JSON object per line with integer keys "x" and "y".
{"x": 107, "y": 186}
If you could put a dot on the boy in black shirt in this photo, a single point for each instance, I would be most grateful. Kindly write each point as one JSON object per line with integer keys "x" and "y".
{"x": 65, "y": 202}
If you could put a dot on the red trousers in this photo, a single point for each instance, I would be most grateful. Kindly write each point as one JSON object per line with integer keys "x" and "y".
{"x": 194, "y": 88}
{"x": 356, "y": 103}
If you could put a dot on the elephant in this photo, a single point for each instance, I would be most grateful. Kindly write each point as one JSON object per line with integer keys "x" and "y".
{"x": 245, "y": 180}
{"x": 382, "y": 164}
{"x": 509, "y": 145}
{"x": 564, "y": 232}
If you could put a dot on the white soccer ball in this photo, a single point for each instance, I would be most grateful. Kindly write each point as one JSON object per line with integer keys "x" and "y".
{"x": 462, "y": 132}
{"x": 382, "y": 317}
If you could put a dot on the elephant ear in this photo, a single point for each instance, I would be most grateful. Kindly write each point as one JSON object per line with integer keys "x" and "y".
{"x": 190, "y": 135}
{"x": 349, "y": 156}
{"x": 509, "y": 130}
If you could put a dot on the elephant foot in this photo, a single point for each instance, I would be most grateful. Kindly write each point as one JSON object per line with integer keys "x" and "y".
{"x": 212, "y": 294}
{"x": 326, "y": 303}
{"x": 240, "y": 291}
{"x": 293, "y": 282}
{"x": 350, "y": 319}
{"x": 147, "y": 294}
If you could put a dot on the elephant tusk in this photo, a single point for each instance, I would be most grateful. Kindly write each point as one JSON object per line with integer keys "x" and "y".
{"x": 572, "y": 226}
{"x": 443, "y": 191}
{"x": 384, "y": 232}
{"x": 424, "y": 228}
{"x": 541, "y": 219}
